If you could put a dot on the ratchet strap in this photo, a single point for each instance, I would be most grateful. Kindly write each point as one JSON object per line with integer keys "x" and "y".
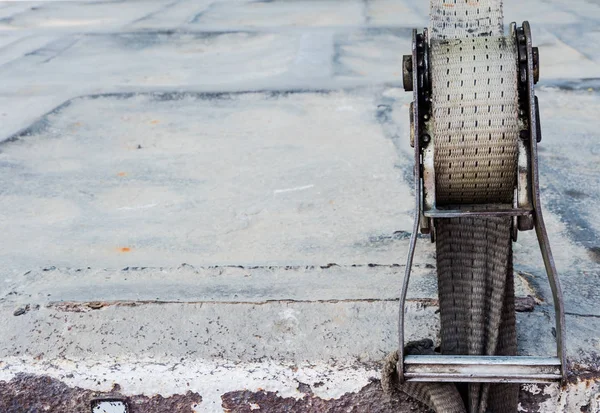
{"x": 475, "y": 114}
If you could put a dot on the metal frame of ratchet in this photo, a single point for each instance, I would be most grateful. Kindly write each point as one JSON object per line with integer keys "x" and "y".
{"x": 526, "y": 212}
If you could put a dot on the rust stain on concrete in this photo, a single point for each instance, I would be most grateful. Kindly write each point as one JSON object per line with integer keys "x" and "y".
{"x": 30, "y": 393}
{"x": 370, "y": 399}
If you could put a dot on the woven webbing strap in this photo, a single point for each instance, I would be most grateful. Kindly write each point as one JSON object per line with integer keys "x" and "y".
{"x": 475, "y": 119}
{"x": 458, "y": 19}
{"x": 475, "y": 132}
{"x": 476, "y": 293}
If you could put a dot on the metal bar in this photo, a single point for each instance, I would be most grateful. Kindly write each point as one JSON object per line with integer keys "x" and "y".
{"x": 489, "y": 369}
{"x": 438, "y": 378}
{"x": 483, "y": 210}
{"x": 540, "y": 227}
{"x": 415, "y": 230}
{"x": 482, "y": 360}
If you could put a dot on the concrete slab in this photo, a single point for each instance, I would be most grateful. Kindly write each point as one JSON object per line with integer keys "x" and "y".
{"x": 276, "y": 14}
{"x": 172, "y": 15}
{"x": 332, "y": 282}
{"x": 121, "y": 188}
{"x": 210, "y": 202}
{"x": 56, "y": 15}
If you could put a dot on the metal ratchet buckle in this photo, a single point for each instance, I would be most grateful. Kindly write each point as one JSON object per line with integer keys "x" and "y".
{"x": 526, "y": 212}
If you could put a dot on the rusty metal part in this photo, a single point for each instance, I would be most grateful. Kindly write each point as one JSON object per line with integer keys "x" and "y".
{"x": 425, "y": 225}
{"x": 540, "y": 227}
{"x": 417, "y": 213}
{"x": 525, "y": 223}
{"x": 30, "y": 393}
{"x": 536, "y": 65}
{"x": 407, "y": 78}
{"x": 412, "y": 121}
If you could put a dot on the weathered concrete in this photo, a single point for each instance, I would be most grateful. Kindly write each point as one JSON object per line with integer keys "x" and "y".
{"x": 264, "y": 145}
{"x": 34, "y": 393}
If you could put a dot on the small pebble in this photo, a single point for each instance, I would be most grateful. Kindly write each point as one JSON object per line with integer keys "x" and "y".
{"x": 21, "y": 310}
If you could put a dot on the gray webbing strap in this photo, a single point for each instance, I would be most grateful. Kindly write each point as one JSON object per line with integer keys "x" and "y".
{"x": 458, "y": 19}
{"x": 475, "y": 132}
{"x": 476, "y": 293}
{"x": 475, "y": 105}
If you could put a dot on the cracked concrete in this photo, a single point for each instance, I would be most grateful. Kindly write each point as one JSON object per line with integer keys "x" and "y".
{"x": 213, "y": 198}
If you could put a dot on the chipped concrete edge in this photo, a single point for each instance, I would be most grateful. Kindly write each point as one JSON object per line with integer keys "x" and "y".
{"x": 220, "y": 385}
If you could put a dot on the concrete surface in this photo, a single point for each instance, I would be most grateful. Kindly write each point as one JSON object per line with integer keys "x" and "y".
{"x": 215, "y": 197}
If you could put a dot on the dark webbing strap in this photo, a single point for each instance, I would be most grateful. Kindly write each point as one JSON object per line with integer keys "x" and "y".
{"x": 475, "y": 121}
{"x": 477, "y": 306}
{"x": 477, "y": 311}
